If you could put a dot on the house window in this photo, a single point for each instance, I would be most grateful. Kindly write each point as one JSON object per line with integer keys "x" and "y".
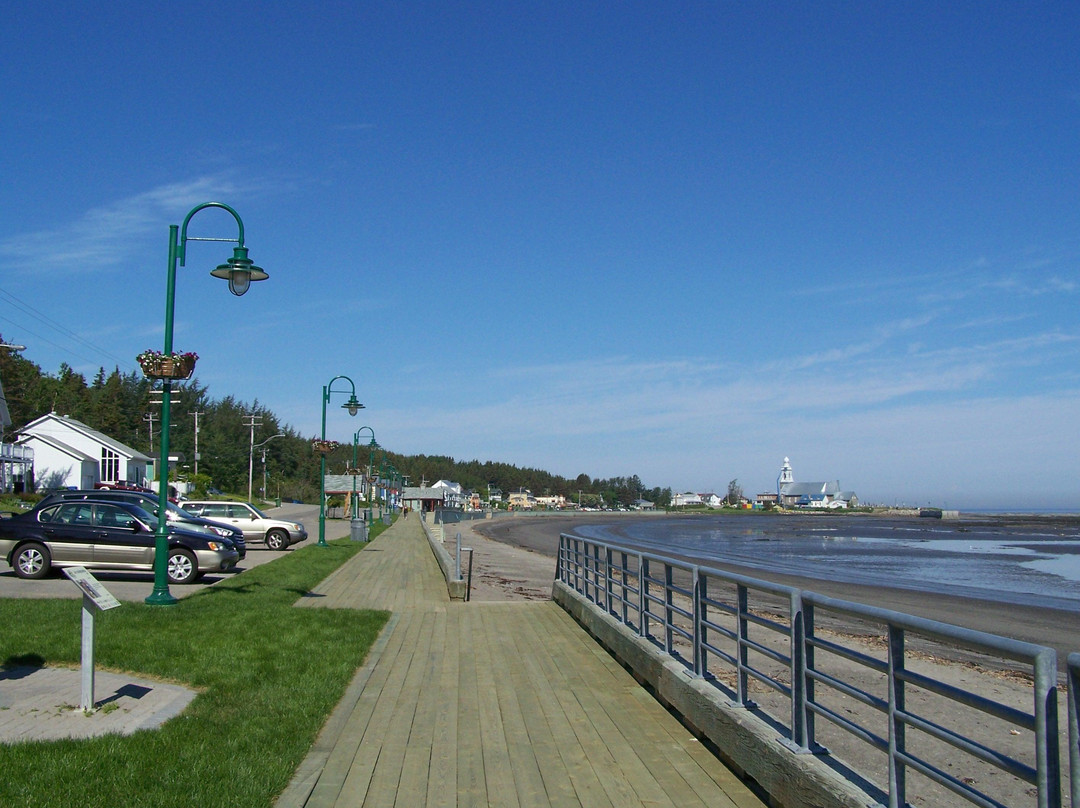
{"x": 110, "y": 465}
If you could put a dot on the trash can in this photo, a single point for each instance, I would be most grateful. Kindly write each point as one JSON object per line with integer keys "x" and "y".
{"x": 358, "y": 529}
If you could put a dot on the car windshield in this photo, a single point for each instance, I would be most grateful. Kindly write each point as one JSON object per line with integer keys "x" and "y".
{"x": 260, "y": 513}
{"x": 174, "y": 513}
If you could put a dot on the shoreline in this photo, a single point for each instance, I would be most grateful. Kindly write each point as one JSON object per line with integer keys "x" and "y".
{"x": 1046, "y": 626}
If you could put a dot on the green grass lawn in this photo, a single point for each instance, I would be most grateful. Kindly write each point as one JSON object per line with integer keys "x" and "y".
{"x": 268, "y": 676}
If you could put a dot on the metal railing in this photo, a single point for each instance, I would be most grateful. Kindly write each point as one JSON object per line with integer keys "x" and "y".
{"x": 797, "y": 647}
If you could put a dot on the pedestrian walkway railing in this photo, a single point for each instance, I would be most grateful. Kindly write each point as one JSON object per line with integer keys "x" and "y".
{"x": 794, "y": 656}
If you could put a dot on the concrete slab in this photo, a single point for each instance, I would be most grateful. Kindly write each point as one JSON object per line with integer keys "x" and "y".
{"x": 42, "y": 704}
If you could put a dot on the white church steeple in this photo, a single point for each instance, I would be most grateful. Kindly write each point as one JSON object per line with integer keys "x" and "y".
{"x": 786, "y": 476}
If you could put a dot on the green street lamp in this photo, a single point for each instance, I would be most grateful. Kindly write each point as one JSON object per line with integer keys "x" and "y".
{"x": 355, "y": 442}
{"x": 240, "y": 272}
{"x": 353, "y": 406}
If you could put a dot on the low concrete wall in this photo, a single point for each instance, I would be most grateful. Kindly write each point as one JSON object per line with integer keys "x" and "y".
{"x": 454, "y": 586}
{"x": 743, "y": 740}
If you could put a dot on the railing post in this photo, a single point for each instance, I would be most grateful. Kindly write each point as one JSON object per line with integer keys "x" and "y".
{"x": 622, "y": 599}
{"x": 594, "y": 563}
{"x": 798, "y": 651}
{"x": 607, "y": 579}
{"x": 1074, "y": 728}
{"x": 1046, "y": 731}
{"x": 669, "y": 635}
{"x": 808, "y": 662}
{"x": 897, "y": 727}
{"x": 742, "y": 688}
{"x": 699, "y": 629}
{"x": 643, "y": 602}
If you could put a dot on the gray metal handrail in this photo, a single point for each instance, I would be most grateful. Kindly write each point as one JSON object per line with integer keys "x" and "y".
{"x": 771, "y": 637}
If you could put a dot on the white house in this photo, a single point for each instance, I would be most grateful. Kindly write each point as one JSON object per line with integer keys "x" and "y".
{"x": 453, "y": 494}
{"x": 80, "y": 454}
{"x": 689, "y": 498}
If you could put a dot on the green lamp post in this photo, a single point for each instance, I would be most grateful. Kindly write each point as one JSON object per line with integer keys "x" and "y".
{"x": 355, "y": 442}
{"x": 240, "y": 272}
{"x": 353, "y": 406}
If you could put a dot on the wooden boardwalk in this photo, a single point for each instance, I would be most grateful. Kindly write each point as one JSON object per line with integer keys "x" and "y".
{"x": 501, "y": 704}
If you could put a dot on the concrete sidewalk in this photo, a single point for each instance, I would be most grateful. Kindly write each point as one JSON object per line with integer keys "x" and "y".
{"x": 510, "y": 703}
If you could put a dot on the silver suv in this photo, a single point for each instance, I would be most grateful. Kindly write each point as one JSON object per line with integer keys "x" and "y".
{"x": 256, "y": 525}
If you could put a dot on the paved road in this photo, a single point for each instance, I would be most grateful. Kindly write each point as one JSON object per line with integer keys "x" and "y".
{"x": 136, "y": 586}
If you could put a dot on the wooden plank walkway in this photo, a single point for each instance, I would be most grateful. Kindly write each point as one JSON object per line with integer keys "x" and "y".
{"x": 500, "y": 704}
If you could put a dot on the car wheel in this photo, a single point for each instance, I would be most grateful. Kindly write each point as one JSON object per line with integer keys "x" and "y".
{"x": 32, "y": 561}
{"x": 277, "y": 539}
{"x": 182, "y": 567}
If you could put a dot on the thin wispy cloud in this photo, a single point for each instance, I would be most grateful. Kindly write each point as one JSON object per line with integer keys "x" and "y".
{"x": 107, "y": 235}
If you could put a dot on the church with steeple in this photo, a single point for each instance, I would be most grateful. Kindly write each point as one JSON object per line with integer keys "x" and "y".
{"x": 790, "y": 494}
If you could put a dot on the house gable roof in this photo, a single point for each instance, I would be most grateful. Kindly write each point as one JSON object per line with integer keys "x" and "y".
{"x": 52, "y": 425}
{"x": 60, "y": 446}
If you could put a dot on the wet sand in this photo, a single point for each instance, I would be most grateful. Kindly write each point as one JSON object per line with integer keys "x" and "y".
{"x": 1057, "y": 628}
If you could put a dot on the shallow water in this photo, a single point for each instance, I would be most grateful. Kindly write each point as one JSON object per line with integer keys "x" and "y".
{"x": 1027, "y": 560}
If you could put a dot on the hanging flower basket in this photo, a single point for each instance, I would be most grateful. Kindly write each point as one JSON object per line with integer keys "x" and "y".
{"x": 176, "y": 365}
{"x": 354, "y": 472}
{"x": 323, "y": 447}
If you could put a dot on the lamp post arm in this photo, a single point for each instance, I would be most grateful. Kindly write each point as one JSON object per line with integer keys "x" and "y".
{"x": 239, "y": 240}
{"x": 329, "y": 387}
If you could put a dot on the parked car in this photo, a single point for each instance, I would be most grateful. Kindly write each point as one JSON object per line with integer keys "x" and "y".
{"x": 107, "y": 535}
{"x": 121, "y": 486}
{"x": 256, "y": 525}
{"x": 149, "y": 502}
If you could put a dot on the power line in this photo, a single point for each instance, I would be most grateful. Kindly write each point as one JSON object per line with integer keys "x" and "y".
{"x": 30, "y": 311}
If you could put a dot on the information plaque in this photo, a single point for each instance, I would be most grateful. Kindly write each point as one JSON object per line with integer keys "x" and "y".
{"x": 91, "y": 587}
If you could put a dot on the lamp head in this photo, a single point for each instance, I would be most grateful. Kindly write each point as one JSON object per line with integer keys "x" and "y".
{"x": 239, "y": 271}
{"x": 352, "y": 405}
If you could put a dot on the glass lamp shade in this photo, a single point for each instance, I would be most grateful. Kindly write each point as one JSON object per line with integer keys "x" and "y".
{"x": 239, "y": 271}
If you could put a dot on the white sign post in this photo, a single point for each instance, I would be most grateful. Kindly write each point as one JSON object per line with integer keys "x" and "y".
{"x": 95, "y": 598}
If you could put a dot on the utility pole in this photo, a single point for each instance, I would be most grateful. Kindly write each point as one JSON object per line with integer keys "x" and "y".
{"x": 251, "y": 421}
{"x": 196, "y": 415}
{"x": 263, "y": 445}
{"x": 150, "y": 418}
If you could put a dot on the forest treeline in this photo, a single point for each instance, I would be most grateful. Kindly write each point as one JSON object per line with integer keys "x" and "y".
{"x": 121, "y": 406}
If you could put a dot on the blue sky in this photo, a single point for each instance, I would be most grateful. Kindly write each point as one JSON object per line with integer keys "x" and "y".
{"x": 678, "y": 240}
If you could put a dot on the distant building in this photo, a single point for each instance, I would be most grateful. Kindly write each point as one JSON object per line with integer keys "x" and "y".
{"x": 453, "y": 494}
{"x": 791, "y": 494}
{"x": 424, "y": 498}
{"x": 683, "y": 500}
{"x": 557, "y": 502}
{"x": 522, "y": 499}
